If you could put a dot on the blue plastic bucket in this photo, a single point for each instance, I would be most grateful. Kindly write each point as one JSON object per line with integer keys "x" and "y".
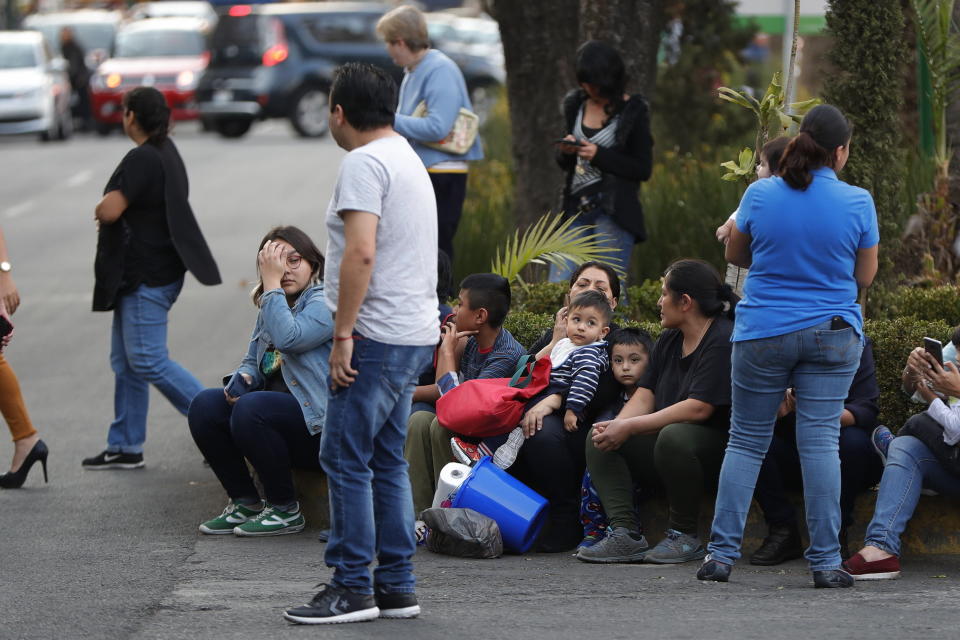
{"x": 518, "y": 510}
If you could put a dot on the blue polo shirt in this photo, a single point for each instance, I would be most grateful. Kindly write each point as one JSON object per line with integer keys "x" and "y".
{"x": 804, "y": 246}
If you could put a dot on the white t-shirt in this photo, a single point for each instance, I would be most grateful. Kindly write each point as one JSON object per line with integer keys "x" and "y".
{"x": 386, "y": 178}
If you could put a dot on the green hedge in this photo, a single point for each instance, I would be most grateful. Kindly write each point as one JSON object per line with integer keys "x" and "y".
{"x": 921, "y": 312}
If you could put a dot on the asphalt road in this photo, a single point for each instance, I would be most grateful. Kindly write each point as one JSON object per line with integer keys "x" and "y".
{"x": 117, "y": 555}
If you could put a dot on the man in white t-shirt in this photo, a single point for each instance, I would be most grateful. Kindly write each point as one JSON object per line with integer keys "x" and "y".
{"x": 380, "y": 282}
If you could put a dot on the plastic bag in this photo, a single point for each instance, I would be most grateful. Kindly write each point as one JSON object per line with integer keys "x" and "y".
{"x": 462, "y": 532}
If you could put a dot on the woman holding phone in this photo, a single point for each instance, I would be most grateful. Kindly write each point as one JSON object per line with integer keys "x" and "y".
{"x": 147, "y": 239}
{"x": 606, "y": 154}
{"x": 809, "y": 240}
{"x": 272, "y": 407}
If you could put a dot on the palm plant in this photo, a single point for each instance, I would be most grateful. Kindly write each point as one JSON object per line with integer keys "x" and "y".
{"x": 936, "y": 218}
{"x": 550, "y": 240}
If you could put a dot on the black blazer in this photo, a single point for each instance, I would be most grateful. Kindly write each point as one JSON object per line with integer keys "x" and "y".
{"x": 624, "y": 165}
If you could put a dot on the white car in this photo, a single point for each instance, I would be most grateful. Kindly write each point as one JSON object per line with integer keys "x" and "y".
{"x": 199, "y": 9}
{"x": 34, "y": 88}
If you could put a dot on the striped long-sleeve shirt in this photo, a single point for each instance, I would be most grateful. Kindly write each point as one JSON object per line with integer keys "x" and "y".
{"x": 577, "y": 376}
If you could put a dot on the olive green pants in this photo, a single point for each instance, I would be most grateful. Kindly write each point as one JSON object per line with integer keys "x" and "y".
{"x": 427, "y": 450}
{"x": 682, "y": 457}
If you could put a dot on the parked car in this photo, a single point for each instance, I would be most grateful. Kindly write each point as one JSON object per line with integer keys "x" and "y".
{"x": 94, "y": 29}
{"x": 167, "y": 53}
{"x": 199, "y": 9}
{"x": 474, "y": 44}
{"x": 34, "y": 88}
{"x": 277, "y": 61}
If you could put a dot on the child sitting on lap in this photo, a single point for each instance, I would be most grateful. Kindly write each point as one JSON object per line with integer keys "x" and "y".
{"x": 576, "y": 364}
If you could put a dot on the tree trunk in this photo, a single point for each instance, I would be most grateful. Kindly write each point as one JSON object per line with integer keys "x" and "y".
{"x": 540, "y": 40}
{"x": 633, "y": 27}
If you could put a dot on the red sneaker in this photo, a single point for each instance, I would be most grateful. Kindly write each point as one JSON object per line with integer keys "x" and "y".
{"x": 468, "y": 453}
{"x": 860, "y": 569}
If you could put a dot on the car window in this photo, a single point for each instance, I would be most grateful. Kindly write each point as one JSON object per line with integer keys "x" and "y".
{"x": 160, "y": 43}
{"x": 236, "y": 41}
{"x": 18, "y": 55}
{"x": 341, "y": 27}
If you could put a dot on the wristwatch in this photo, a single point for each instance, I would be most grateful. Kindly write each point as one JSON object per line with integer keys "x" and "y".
{"x": 5, "y": 267}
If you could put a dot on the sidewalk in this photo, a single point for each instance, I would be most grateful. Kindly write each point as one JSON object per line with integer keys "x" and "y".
{"x": 232, "y": 586}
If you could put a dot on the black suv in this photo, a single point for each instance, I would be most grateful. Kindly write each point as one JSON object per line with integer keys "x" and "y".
{"x": 277, "y": 61}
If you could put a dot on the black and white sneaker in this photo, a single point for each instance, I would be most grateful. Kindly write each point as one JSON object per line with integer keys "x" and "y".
{"x": 114, "y": 460}
{"x": 334, "y": 604}
{"x": 397, "y": 605}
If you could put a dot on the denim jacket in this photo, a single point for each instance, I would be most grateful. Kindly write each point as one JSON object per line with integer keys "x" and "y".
{"x": 303, "y": 335}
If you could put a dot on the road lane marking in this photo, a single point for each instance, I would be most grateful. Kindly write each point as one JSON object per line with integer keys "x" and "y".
{"x": 80, "y": 178}
{"x": 19, "y": 209}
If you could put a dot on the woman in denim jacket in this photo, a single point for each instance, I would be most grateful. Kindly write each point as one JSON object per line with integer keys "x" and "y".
{"x": 271, "y": 410}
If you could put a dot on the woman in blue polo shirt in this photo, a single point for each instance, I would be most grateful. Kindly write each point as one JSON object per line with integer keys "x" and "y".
{"x": 809, "y": 240}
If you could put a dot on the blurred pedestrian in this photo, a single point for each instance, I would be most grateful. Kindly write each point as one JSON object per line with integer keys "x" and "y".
{"x": 432, "y": 79}
{"x": 609, "y": 153}
{"x": 809, "y": 240}
{"x": 28, "y": 448}
{"x": 147, "y": 239}
{"x": 79, "y": 76}
{"x": 381, "y": 280}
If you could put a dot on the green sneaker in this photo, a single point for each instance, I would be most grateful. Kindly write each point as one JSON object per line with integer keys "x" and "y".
{"x": 272, "y": 522}
{"x": 233, "y": 515}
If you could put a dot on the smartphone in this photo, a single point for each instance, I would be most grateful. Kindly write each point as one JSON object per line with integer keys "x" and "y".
{"x": 237, "y": 386}
{"x": 5, "y": 327}
{"x": 934, "y": 348}
{"x": 572, "y": 143}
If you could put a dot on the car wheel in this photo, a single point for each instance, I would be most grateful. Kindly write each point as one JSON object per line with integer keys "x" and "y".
{"x": 233, "y": 128}
{"x": 103, "y": 128}
{"x": 310, "y": 113}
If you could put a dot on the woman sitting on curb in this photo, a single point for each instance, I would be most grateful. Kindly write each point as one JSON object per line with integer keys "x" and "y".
{"x": 272, "y": 409}
{"x": 910, "y": 465}
{"x": 673, "y": 430}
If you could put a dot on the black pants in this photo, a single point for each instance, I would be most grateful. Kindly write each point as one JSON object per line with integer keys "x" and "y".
{"x": 450, "y": 189}
{"x": 266, "y": 428}
{"x": 552, "y": 463}
{"x": 860, "y": 469}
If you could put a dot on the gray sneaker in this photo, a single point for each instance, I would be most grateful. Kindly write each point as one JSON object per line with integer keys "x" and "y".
{"x": 619, "y": 545}
{"x": 675, "y": 548}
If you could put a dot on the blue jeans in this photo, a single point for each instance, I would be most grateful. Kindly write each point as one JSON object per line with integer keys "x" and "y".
{"x": 361, "y": 451}
{"x": 820, "y": 363}
{"x": 617, "y": 238}
{"x": 139, "y": 358}
{"x": 910, "y": 467}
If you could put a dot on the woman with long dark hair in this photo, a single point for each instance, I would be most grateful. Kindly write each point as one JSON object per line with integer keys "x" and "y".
{"x": 809, "y": 240}
{"x": 271, "y": 409}
{"x": 147, "y": 239}
{"x": 673, "y": 430}
{"x": 610, "y": 152}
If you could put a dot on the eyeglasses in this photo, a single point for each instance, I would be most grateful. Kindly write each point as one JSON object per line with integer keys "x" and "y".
{"x": 294, "y": 260}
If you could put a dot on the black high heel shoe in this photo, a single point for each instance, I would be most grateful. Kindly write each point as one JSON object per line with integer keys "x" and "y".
{"x": 15, "y": 479}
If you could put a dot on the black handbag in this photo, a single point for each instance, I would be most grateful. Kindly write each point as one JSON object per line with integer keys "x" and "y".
{"x": 930, "y": 433}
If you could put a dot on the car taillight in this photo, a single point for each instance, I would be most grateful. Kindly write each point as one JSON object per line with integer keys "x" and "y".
{"x": 240, "y": 10}
{"x": 275, "y": 55}
{"x": 114, "y": 80}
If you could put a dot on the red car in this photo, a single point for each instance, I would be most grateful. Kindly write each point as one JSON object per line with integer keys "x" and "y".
{"x": 167, "y": 53}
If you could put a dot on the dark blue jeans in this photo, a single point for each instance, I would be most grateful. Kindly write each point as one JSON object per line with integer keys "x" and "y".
{"x": 266, "y": 428}
{"x": 371, "y": 507}
{"x": 860, "y": 469}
